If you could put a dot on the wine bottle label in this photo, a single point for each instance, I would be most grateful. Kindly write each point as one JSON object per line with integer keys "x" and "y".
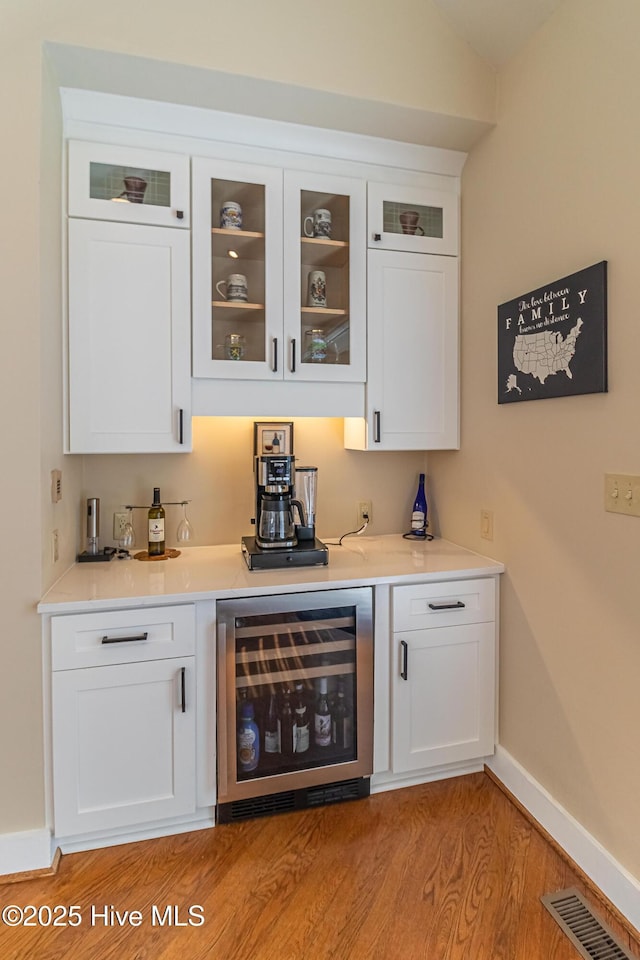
{"x": 301, "y": 737}
{"x": 156, "y": 530}
{"x": 272, "y": 741}
{"x": 417, "y": 520}
{"x": 247, "y": 751}
{"x": 322, "y": 729}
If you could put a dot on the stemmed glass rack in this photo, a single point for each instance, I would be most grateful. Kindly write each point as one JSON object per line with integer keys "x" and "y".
{"x": 184, "y": 532}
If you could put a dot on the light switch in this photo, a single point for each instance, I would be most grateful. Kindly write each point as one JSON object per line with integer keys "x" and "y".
{"x": 622, "y": 494}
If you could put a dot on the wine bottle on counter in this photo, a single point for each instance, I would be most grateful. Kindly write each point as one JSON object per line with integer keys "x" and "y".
{"x": 419, "y": 513}
{"x": 272, "y": 727}
{"x": 301, "y": 716}
{"x": 156, "y": 526}
{"x": 287, "y": 725}
{"x": 322, "y": 716}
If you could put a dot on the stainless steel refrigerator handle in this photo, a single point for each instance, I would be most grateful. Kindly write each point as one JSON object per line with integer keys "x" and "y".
{"x": 222, "y": 714}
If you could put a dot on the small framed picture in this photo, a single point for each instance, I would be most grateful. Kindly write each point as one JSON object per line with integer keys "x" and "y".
{"x": 271, "y": 439}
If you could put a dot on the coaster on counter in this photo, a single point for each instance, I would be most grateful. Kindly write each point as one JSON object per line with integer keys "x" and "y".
{"x": 167, "y": 555}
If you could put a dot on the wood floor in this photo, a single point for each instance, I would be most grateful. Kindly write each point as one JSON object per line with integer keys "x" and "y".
{"x": 444, "y": 871}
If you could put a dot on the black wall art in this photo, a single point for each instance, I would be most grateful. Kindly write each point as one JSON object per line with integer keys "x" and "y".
{"x": 552, "y": 342}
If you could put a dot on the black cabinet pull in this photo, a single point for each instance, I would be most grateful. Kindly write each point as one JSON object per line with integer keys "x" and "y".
{"x": 183, "y": 689}
{"x": 275, "y": 355}
{"x": 404, "y": 671}
{"x": 377, "y": 236}
{"x": 458, "y": 605}
{"x": 181, "y": 426}
{"x": 180, "y": 214}
{"x": 376, "y": 426}
{"x": 141, "y": 636}
{"x": 293, "y": 355}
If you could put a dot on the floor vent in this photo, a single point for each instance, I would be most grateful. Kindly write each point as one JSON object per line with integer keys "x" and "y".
{"x": 587, "y": 932}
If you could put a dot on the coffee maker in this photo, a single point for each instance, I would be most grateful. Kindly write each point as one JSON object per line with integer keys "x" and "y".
{"x": 285, "y": 525}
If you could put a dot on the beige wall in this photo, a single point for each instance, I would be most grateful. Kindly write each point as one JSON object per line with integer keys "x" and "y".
{"x": 367, "y": 57}
{"x": 551, "y": 190}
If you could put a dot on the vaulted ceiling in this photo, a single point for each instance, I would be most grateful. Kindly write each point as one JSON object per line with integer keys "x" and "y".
{"x": 497, "y": 29}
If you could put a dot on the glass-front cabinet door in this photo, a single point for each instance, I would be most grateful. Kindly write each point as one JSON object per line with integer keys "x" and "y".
{"x": 109, "y": 182}
{"x": 413, "y": 219}
{"x": 237, "y": 270}
{"x": 324, "y": 277}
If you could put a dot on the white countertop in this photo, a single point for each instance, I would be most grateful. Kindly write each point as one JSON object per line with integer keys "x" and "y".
{"x": 205, "y": 573}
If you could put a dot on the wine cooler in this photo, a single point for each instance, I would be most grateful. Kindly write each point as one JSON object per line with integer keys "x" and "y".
{"x": 295, "y": 701}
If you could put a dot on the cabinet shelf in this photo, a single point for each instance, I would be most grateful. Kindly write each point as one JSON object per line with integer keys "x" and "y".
{"x": 323, "y": 253}
{"x": 240, "y": 305}
{"x": 322, "y": 312}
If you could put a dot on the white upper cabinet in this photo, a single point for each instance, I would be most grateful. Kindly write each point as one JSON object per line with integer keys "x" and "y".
{"x": 413, "y": 219}
{"x": 279, "y": 267}
{"x": 128, "y": 364}
{"x": 108, "y": 182}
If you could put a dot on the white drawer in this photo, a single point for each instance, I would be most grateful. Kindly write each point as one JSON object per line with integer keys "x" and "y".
{"x": 122, "y": 636}
{"x": 424, "y": 605}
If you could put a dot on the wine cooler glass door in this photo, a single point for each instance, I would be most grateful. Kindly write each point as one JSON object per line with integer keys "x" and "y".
{"x": 295, "y": 699}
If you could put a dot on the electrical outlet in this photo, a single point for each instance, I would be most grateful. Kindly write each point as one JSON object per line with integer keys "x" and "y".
{"x": 364, "y": 506}
{"x": 55, "y": 546}
{"x": 119, "y": 521}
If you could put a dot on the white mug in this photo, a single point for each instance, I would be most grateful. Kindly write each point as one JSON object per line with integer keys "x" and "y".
{"x": 319, "y": 224}
{"x": 231, "y": 215}
{"x": 317, "y": 296}
{"x": 236, "y": 288}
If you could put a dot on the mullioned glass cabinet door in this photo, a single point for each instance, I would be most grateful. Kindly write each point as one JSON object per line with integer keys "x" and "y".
{"x": 109, "y": 182}
{"x": 324, "y": 277}
{"x": 237, "y": 270}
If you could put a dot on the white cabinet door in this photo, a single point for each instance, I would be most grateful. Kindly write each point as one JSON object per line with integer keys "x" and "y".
{"x": 108, "y": 182}
{"x": 443, "y": 690}
{"x": 324, "y": 341}
{"x": 128, "y": 339}
{"x": 413, "y": 219}
{"x": 413, "y": 380}
{"x": 123, "y": 745}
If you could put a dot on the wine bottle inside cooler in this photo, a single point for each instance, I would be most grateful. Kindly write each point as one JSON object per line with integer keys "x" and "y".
{"x": 341, "y": 722}
{"x": 322, "y": 716}
{"x": 287, "y": 726}
{"x": 419, "y": 513}
{"x": 301, "y": 716}
{"x": 272, "y": 727}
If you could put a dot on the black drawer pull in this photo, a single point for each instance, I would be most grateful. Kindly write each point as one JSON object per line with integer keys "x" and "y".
{"x": 141, "y": 636}
{"x": 458, "y": 605}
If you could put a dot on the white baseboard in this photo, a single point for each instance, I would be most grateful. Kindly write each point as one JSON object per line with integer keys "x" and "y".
{"x": 25, "y": 851}
{"x": 617, "y": 884}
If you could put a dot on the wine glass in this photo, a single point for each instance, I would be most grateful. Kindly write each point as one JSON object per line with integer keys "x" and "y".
{"x": 128, "y": 538}
{"x": 185, "y": 530}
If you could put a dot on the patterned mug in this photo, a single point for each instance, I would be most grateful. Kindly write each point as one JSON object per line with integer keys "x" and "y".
{"x": 235, "y": 288}
{"x": 231, "y": 215}
{"x": 317, "y": 295}
{"x": 319, "y": 224}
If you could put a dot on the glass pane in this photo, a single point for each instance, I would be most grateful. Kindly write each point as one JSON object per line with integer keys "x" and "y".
{"x": 324, "y": 277}
{"x": 238, "y": 271}
{"x": 129, "y": 184}
{"x": 295, "y": 691}
{"x": 412, "y": 219}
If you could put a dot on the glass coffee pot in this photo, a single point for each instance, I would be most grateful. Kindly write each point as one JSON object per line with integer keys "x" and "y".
{"x": 276, "y": 527}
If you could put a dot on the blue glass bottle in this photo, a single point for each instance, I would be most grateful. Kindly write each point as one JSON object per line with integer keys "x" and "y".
{"x": 419, "y": 513}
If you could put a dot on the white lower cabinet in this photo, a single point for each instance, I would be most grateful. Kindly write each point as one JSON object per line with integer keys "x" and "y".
{"x": 442, "y": 674}
{"x": 123, "y": 719}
